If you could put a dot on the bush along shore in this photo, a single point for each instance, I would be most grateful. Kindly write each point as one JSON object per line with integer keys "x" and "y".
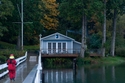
{"x": 57, "y": 63}
{"x": 5, "y": 53}
{"x": 101, "y": 60}
{"x": 6, "y": 49}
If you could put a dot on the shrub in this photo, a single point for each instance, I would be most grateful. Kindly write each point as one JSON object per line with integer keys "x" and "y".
{"x": 86, "y": 54}
{"x": 31, "y": 48}
{"x": 120, "y": 52}
{"x": 94, "y": 41}
{"x": 2, "y": 59}
{"x": 5, "y": 53}
{"x": 4, "y": 45}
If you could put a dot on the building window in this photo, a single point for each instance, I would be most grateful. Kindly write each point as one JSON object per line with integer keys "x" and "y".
{"x": 59, "y": 47}
{"x": 64, "y": 47}
{"x": 54, "y": 47}
{"x": 49, "y": 47}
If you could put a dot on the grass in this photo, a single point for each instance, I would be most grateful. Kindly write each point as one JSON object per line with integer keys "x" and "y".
{"x": 32, "y": 47}
{"x": 4, "y": 45}
{"x": 103, "y": 60}
{"x": 112, "y": 60}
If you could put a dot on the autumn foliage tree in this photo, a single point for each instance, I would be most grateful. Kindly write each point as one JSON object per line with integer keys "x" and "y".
{"x": 49, "y": 10}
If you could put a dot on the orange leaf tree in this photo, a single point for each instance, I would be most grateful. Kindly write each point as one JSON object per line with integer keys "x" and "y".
{"x": 49, "y": 11}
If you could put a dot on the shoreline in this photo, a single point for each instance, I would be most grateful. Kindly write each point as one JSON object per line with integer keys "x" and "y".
{"x": 101, "y": 60}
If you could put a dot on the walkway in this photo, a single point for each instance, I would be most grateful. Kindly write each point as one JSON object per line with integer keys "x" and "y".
{"x": 23, "y": 69}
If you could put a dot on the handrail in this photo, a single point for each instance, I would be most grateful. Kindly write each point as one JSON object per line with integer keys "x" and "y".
{"x": 18, "y": 60}
{"x": 39, "y": 68}
{"x": 60, "y": 51}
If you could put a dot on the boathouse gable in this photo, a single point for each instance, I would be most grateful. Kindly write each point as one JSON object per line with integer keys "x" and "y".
{"x": 59, "y": 43}
{"x": 57, "y": 36}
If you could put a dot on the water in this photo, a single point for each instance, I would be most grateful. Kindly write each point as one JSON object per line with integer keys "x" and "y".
{"x": 86, "y": 74}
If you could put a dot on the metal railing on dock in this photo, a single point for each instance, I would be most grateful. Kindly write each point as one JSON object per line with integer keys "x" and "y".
{"x": 60, "y": 51}
{"x": 39, "y": 70}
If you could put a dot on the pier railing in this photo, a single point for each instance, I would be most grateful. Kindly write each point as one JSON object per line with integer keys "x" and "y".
{"x": 39, "y": 70}
{"x": 60, "y": 51}
{"x": 3, "y": 67}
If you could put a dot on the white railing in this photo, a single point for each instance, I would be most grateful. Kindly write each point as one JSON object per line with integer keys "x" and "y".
{"x": 4, "y": 66}
{"x": 39, "y": 69}
{"x": 60, "y": 51}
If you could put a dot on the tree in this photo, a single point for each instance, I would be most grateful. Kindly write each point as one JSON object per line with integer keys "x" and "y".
{"x": 6, "y": 9}
{"x": 49, "y": 10}
{"x": 117, "y": 6}
{"x": 74, "y": 13}
{"x": 104, "y": 31}
{"x": 80, "y": 11}
{"x": 113, "y": 33}
{"x": 32, "y": 26}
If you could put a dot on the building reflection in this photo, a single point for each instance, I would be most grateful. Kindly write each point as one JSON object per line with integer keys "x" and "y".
{"x": 58, "y": 75}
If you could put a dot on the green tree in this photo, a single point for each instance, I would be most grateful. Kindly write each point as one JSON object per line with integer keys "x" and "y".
{"x": 82, "y": 11}
{"x": 6, "y": 9}
{"x": 116, "y": 7}
{"x": 32, "y": 26}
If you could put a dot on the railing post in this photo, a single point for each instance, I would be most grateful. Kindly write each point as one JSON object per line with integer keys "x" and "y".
{"x": 74, "y": 66}
{"x": 40, "y": 40}
{"x": 43, "y": 77}
{"x": 74, "y": 69}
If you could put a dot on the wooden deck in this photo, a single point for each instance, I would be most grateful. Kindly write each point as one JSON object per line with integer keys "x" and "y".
{"x": 60, "y": 55}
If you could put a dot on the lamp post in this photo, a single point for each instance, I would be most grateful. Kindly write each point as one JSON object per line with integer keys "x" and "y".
{"x": 22, "y": 24}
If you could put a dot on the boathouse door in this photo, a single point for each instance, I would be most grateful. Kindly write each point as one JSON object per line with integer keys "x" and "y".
{"x": 56, "y": 47}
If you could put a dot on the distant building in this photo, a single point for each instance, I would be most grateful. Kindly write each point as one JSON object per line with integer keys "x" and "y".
{"x": 59, "y": 43}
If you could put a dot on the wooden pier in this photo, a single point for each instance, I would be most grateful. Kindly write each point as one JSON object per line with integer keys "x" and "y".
{"x": 60, "y": 55}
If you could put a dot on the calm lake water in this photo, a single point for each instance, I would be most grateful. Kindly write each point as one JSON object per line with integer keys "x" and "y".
{"x": 86, "y": 74}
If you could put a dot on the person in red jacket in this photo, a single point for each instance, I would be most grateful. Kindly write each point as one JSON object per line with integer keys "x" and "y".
{"x": 11, "y": 62}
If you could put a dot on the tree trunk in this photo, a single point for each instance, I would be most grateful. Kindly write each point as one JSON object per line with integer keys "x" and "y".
{"x": 83, "y": 37}
{"x": 85, "y": 25}
{"x": 113, "y": 34}
{"x": 18, "y": 43}
{"x": 104, "y": 31}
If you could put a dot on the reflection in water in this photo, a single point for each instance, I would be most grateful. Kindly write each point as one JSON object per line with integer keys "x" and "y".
{"x": 113, "y": 73}
{"x": 89, "y": 74}
{"x": 58, "y": 76}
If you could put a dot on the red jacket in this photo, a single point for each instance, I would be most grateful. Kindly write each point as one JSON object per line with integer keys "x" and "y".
{"x": 11, "y": 64}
